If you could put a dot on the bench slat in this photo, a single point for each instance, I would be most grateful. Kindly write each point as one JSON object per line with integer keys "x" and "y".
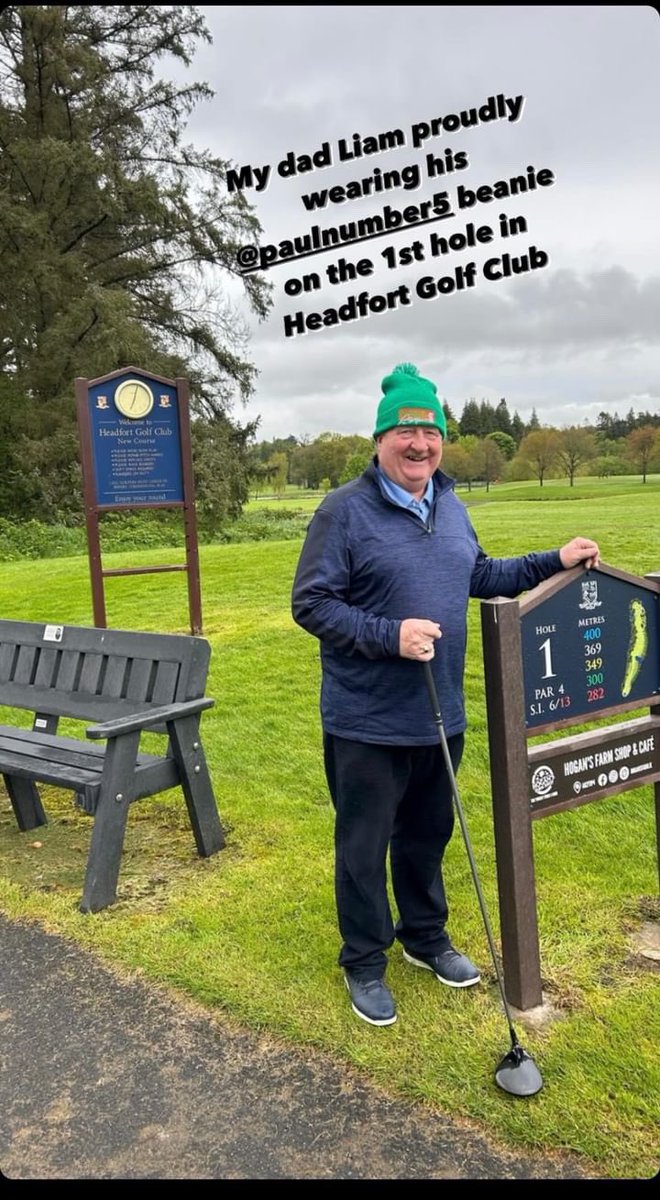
{"x": 91, "y": 673}
{"x": 24, "y": 672}
{"x": 25, "y": 753}
{"x": 138, "y": 681}
{"x": 49, "y": 747}
{"x": 68, "y": 670}
{"x": 46, "y": 770}
{"x": 165, "y": 686}
{"x": 7, "y": 655}
{"x": 46, "y": 666}
{"x": 115, "y": 676}
{"x": 80, "y": 707}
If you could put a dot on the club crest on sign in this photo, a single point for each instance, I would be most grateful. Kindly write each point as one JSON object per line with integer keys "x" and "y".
{"x": 590, "y": 594}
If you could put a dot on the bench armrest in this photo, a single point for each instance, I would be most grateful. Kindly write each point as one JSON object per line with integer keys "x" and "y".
{"x": 152, "y": 716}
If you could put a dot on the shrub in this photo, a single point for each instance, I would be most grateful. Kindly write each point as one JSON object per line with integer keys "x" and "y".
{"x": 146, "y": 530}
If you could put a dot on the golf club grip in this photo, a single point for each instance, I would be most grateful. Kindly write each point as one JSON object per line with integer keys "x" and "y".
{"x": 433, "y": 695}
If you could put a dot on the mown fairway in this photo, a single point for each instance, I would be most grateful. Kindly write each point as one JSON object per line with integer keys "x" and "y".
{"x": 251, "y": 932}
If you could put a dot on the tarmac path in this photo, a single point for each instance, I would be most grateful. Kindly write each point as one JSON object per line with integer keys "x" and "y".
{"x": 105, "y": 1077}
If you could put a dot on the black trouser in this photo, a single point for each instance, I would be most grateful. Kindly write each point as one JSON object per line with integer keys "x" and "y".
{"x": 398, "y": 797}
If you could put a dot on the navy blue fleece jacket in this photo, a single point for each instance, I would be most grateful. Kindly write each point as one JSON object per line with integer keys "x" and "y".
{"x": 366, "y": 565}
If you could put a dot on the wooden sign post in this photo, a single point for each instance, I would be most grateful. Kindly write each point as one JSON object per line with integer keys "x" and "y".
{"x": 581, "y": 646}
{"x": 136, "y": 453}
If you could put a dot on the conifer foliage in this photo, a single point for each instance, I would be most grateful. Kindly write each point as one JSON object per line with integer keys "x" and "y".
{"x": 117, "y": 238}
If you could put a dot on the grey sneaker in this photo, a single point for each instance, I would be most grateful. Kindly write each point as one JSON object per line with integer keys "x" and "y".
{"x": 371, "y": 999}
{"x": 449, "y": 967}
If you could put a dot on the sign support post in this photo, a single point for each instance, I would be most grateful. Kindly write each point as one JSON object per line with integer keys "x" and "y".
{"x": 189, "y": 511}
{"x": 91, "y": 510}
{"x": 654, "y": 577}
{"x": 511, "y": 816}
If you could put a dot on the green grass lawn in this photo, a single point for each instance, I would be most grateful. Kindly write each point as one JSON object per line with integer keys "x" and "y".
{"x": 584, "y": 487}
{"x": 251, "y": 933}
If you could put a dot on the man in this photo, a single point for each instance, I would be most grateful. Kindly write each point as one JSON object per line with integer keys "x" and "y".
{"x": 388, "y": 565}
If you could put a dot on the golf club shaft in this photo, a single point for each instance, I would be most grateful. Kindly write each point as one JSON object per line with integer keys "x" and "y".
{"x": 435, "y": 704}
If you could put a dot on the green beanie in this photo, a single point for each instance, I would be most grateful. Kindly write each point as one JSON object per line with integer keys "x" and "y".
{"x": 409, "y": 399}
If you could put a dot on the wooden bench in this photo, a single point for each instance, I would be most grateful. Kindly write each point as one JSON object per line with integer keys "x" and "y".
{"x": 125, "y": 682}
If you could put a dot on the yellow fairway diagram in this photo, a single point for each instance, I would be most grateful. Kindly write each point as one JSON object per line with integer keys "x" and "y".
{"x": 637, "y": 646}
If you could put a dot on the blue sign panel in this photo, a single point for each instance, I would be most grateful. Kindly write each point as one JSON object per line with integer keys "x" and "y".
{"x": 136, "y": 443}
{"x": 593, "y": 645}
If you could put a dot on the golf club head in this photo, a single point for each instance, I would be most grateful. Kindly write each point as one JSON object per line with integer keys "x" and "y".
{"x": 518, "y": 1073}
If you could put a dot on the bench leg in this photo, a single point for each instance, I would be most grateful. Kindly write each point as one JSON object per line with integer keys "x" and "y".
{"x": 107, "y": 842}
{"x": 25, "y": 802}
{"x": 196, "y": 783}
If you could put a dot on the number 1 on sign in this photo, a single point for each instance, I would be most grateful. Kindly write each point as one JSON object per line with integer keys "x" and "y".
{"x": 545, "y": 647}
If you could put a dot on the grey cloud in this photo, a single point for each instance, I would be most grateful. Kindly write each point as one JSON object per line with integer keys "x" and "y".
{"x": 570, "y": 340}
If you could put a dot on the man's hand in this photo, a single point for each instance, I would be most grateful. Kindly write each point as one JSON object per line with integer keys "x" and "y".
{"x": 578, "y": 551}
{"x": 416, "y": 638}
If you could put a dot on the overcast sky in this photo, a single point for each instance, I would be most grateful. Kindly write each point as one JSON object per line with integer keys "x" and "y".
{"x": 577, "y": 332}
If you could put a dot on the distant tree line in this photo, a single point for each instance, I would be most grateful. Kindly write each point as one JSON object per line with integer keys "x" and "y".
{"x": 485, "y": 444}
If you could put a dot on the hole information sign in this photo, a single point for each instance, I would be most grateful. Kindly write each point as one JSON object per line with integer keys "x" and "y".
{"x": 594, "y": 645}
{"x": 580, "y": 647}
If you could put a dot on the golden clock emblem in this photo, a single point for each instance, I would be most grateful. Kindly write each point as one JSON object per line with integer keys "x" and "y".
{"x": 134, "y": 398}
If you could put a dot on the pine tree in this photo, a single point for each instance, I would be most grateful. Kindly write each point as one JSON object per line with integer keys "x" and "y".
{"x": 503, "y": 418}
{"x": 470, "y": 422}
{"x": 487, "y": 418}
{"x": 108, "y": 222}
{"x": 517, "y": 428}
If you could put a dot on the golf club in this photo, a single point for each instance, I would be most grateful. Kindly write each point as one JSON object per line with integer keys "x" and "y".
{"x": 517, "y": 1072}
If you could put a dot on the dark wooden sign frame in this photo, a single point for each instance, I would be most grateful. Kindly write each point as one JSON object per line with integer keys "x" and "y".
{"x": 586, "y": 758}
{"x": 93, "y": 508}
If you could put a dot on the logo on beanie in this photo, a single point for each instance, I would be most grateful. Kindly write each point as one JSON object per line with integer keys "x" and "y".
{"x": 413, "y": 416}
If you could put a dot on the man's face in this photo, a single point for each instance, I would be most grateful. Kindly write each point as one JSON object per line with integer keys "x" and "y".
{"x": 409, "y": 454}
